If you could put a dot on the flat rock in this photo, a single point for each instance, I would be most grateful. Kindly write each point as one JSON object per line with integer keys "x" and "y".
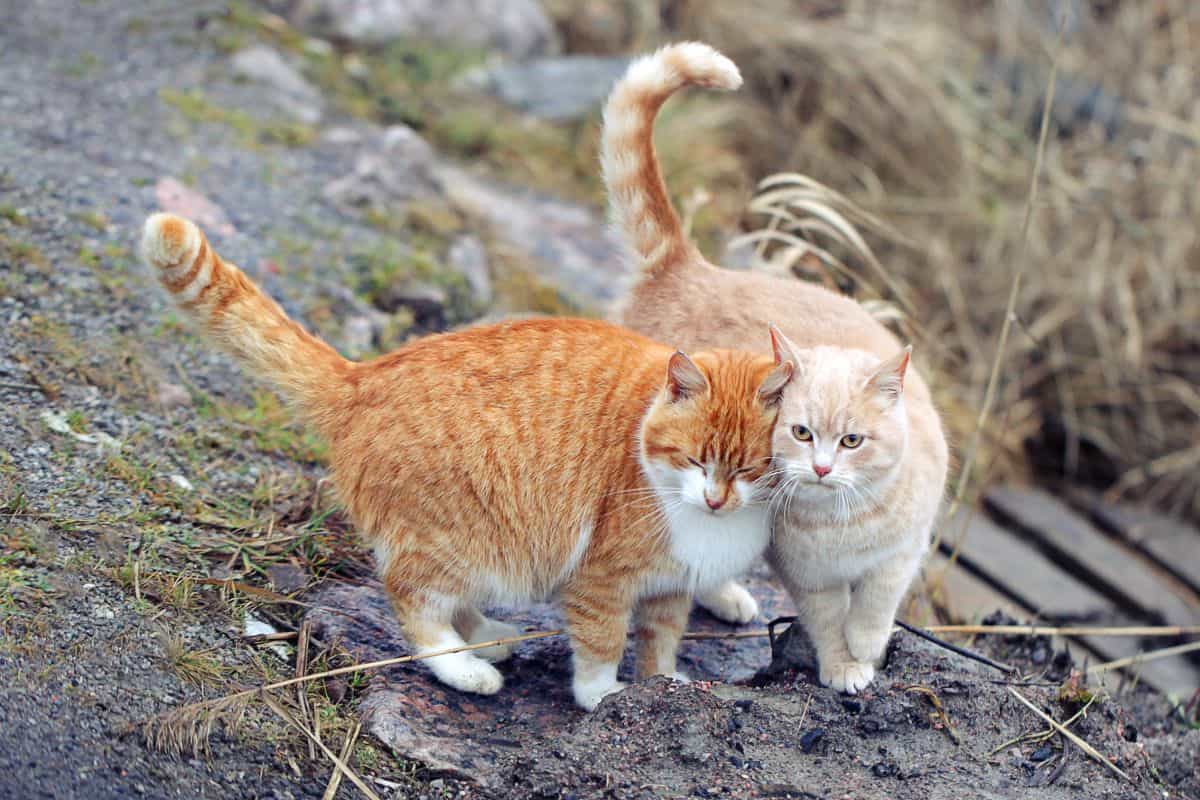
{"x": 517, "y": 28}
{"x": 293, "y": 94}
{"x": 567, "y": 245}
{"x": 563, "y": 88}
{"x": 469, "y": 734}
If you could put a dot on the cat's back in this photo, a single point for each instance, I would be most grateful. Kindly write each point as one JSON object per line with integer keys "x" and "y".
{"x": 553, "y": 356}
{"x": 706, "y": 307}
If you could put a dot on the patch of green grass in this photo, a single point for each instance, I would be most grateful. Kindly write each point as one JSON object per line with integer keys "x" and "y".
{"x": 271, "y": 426}
{"x": 192, "y": 666}
{"x": 94, "y": 220}
{"x": 77, "y": 420}
{"x": 89, "y": 258}
{"x": 21, "y": 253}
{"x": 83, "y": 66}
{"x": 251, "y": 131}
{"x": 13, "y": 214}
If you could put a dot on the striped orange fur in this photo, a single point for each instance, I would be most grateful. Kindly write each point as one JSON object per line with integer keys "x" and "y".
{"x": 514, "y": 461}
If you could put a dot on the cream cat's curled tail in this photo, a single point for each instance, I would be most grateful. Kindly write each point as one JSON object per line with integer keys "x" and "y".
{"x": 641, "y": 207}
{"x": 237, "y": 315}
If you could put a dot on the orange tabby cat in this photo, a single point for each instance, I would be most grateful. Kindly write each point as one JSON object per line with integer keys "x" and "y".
{"x": 859, "y": 445}
{"x": 510, "y": 462}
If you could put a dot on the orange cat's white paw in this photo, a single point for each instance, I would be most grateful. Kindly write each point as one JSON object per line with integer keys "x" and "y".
{"x": 867, "y": 645}
{"x": 730, "y": 602}
{"x": 850, "y": 677}
{"x": 593, "y": 684}
{"x": 467, "y": 673}
{"x": 490, "y": 630}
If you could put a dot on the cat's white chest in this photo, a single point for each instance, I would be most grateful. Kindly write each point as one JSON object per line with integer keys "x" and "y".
{"x": 713, "y": 548}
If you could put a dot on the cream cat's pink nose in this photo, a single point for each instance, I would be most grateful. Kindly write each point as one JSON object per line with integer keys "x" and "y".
{"x": 821, "y": 470}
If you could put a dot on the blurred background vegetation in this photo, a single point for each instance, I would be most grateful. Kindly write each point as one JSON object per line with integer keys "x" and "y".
{"x": 924, "y": 117}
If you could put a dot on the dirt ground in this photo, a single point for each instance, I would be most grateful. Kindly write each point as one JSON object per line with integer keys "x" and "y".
{"x": 152, "y": 499}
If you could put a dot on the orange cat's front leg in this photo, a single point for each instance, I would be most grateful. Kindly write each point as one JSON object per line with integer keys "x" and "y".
{"x": 597, "y": 613}
{"x": 660, "y": 625}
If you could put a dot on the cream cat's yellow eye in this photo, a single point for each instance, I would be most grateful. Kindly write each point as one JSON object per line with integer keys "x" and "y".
{"x": 801, "y": 433}
{"x": 852, "y": 440}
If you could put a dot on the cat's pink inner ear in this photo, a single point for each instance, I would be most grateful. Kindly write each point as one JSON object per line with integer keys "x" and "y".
{"x": 771, "y": 391}
{"x": 783, "y": 349}
{"x": 684, "y": 378}
{"x": 888, "y": 379}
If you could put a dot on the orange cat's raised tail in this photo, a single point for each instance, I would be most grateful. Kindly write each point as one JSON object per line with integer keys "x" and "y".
{"x": 237, "y": 315}
{"x": 641, "y": 207}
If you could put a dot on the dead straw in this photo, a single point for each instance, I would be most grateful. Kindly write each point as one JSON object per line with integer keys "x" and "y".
{"x": 1066, "y": 630}
{"x": 341, "y": 765}
{"x": 1142, "y": 658}
{"x": 1080, "y": 743}
{"x": 335, "y": 780}
{"x": 989, "y": 395}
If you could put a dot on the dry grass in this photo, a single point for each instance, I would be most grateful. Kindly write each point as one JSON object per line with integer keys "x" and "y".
{"x": 909, "y": 110}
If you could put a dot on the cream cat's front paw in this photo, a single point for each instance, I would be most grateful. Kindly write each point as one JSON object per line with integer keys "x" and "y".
{"x": 866, "y": 644}
{"x": 730, "y": 602}
{"x": 850, "y": 677}
{"x": 490, "y": 630}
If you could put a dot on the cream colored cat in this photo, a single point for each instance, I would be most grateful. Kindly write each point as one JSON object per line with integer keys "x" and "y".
{"x": 859, "y": 442}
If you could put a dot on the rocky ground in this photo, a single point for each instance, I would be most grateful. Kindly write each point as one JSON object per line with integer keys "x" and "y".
{"x": 154, "y": 501}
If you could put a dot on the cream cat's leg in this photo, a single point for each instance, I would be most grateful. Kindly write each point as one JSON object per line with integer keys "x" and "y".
{"x": 597, "y": 620}
{"x": 824, "y": 617}
{"x": 729, "y": 602}
{"x": 660, "y": 625}
{"x": 873, "y": 607}
{"x": 475, "y": 627}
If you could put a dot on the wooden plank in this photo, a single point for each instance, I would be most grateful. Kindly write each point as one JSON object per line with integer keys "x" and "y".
{"x": 1025, "y": 573}
{"x": 1009, "y": 561}
{"x": 968, "y": 598}
{"x": 1172, "y": 544}
{"x": 1101, "y": 562}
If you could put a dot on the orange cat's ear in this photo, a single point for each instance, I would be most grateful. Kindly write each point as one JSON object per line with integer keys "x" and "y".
{"x": 783, "y": 349}
{"x": 888, "y": 378}
{"x": 684, "y": 378}
{"x": 771, "y": 391}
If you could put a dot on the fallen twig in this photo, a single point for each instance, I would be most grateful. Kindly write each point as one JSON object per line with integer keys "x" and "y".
{"x": 282, "y": 713}
{"x": 335, "y": 780}
{"x": 939, "y": 711}
{"x": 1141, "y": 658}
{"x": 1080, "y": 743}
{"x": 962, "y": 651}
{"x": 1040, "y": 630}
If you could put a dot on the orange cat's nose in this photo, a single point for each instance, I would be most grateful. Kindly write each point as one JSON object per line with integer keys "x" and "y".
{"x": 714, "y": 503}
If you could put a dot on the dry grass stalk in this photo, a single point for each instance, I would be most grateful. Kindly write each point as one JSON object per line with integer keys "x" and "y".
{"x": 341, "y": 765}
{"x": 1078, "y": 742}
{"x": 1068, "y": 630}
{"x": 1142, "y": 658}
{"x": 1041, "y": 736}
{"x": 989, "y": 395}
{"x": 335, "y": 779}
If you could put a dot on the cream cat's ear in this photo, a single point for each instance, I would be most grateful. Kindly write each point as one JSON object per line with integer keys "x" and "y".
{"x": 684, "y": 378}
{"x": 888, "y": 378}
{"x": 783, "y": 349}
